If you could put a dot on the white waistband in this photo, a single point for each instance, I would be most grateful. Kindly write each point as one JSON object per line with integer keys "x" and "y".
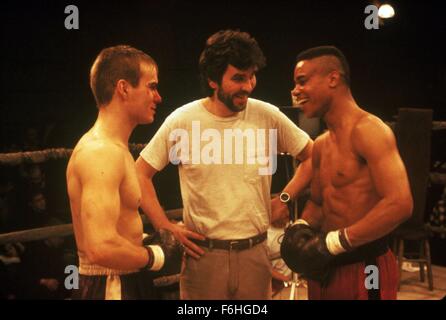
{"x": 88, "y": 269}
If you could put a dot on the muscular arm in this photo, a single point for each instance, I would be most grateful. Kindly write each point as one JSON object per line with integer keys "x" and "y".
{"x": 312, "y": 212}
{"x": 100, "y": 210}
{"x": 297, "y": 184}
{"x": 149, "y": 200}
{"x": 152, "y": 208}
{"x": 375, "y": 142}
{"x": 302, "y": 176}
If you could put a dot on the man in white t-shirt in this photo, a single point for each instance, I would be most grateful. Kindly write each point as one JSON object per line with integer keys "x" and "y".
{"x": 225, "y": 146}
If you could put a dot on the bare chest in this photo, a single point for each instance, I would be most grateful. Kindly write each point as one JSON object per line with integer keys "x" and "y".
{"x": 129, "y": 190}
{"x": 340, "y": 166}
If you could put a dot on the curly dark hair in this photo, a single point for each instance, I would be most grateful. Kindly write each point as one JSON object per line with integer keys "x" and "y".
{"x": 228, "y": 47}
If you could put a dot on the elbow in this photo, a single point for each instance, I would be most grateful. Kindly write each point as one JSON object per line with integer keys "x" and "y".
{"x": 97, "y": 254}
{"x": 409, "y": 207}
{"x": 405, "y": 207}
{"x": 94, "y": 256}
{"x": 143, "y": 168}
{"x": 306, "y": 153}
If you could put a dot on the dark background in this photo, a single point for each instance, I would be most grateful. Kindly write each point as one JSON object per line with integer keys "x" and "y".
{"x": 45, "y": 67}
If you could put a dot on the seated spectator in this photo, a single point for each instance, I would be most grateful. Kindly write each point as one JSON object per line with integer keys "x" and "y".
{"x": 34, "y": 178}
{"x": 438, "y": 216}
{"x": 43, "y": 268}
{"x": 37, "y": 215}
{"x": 9, "y": 270}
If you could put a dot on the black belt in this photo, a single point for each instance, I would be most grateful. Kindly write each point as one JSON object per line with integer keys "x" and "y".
{"x": 240, "y": 244}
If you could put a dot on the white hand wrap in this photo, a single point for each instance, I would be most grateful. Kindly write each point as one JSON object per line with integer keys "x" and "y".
{"x": 158, "y": 258}
{"x": 333, "y": 242}
{"x": 300, "y": 221}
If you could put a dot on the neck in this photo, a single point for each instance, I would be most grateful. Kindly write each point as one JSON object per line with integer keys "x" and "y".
{"x": 218, "y": 108}
{"x": 340, "y": 112}
{"x": 114, "y": 124}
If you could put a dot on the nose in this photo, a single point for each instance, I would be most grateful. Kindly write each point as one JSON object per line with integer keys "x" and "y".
{"x": 296, "y": 91}
{"x": 158, "y": 98}
{"x": 247, "y": 86}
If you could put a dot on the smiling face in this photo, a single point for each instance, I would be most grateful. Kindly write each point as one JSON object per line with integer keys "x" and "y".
{"x": 235, "y": 87}
{"x": 144, "y": 97}
{"x": 312, "y": 88}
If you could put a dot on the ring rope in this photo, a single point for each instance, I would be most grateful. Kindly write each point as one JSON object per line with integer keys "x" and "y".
{"x": 64, "y": 230}
{"x": 17, "y": 158}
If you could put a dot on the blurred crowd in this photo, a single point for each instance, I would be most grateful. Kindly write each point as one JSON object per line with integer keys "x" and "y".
{"x": 31, "y": 198}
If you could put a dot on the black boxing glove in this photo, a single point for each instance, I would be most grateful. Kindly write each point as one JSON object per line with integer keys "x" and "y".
{"x": 315, "y": 258}
{"x": 165, "y": 253}
{"x": 310, "y": 253}
{"x": 295, "y": 237}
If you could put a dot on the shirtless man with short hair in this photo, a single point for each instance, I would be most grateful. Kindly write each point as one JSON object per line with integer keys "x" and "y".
{"x": 103, "y": 187}
{"x": 359, "y": 190}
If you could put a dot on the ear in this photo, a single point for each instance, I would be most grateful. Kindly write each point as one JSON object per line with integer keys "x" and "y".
{"x": 334, "y": 79}
{"x": 212, "y": 84}
{"x": 122, "y": 88}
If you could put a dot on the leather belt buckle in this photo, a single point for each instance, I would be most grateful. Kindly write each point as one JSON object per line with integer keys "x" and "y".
{"x": 233, "y": 244}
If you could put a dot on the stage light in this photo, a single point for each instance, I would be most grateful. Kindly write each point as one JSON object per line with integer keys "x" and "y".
{"x": 386, "y": 11}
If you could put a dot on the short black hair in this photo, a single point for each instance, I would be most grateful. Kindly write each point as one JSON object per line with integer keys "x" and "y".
{"x": 228, "y": 47}
{"x": 316, "y": 52}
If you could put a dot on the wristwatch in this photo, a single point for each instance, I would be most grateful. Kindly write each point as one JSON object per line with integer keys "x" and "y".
{"x": 285, "y": 197}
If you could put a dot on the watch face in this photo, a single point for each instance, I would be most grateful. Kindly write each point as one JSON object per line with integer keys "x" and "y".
{"x": 284, "y": 197}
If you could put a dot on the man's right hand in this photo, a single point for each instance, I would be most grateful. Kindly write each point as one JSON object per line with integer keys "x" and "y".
{"x": 304, "y": 250}
{"x": 151, "y": 206}
{"x": 295, "y": 238}
{"x": 183, "y": 235}
{"x": 165, "y": 253}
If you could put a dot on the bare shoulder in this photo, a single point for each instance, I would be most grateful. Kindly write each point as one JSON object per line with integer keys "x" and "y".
{"x": 371, "y": 134}
{"x": 318, "y": 146}
{"x": 92, "y": 157}
{"x": 321, "y": 138}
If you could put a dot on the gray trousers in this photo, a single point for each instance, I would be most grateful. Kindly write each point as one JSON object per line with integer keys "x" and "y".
{"x": 227, "y": 275}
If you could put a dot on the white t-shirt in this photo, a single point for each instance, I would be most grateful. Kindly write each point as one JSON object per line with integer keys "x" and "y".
{"x": 224, "y": 195}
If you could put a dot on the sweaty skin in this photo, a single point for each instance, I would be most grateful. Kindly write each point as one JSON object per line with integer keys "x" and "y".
{"x": 113, "y": 219}
{"x": 345, "y": 183}
{"x": 359, "y": 180}
{"x": 102, "y": 183}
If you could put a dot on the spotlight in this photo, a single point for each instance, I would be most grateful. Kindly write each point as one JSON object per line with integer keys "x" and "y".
{"x": 386, "y": 11}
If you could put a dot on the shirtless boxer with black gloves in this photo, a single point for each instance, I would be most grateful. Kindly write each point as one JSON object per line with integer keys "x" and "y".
{"x": 104, "y": 190}
{"x": 359, "y": 190}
